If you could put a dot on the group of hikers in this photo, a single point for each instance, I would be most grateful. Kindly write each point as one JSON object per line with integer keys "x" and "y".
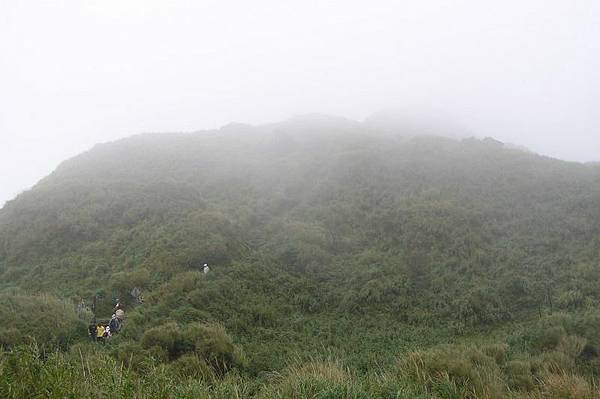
{"x": 101, "y": 331}
{"x": 105, "y": 331}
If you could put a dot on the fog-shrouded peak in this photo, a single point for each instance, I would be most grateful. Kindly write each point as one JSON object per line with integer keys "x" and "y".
{"x": 417, "y": 122}
{"x": 316, "y": 119}
{"x": 403, "y": 123}
{"x": 236, "y": 127}
{"x": 316, "y": 123}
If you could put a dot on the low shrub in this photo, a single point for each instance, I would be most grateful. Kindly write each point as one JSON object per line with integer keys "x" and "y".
{"x": 191, "y": 366}
{"x": 43, "y": 319}
{"x": 323, "y": 380}
{"x": 209, "y": 341}
{"x": 498, "y": 352}
{"x": 454, "y": 369}
{"x": 567, "y": 386}
{"x": 519, "y": 375}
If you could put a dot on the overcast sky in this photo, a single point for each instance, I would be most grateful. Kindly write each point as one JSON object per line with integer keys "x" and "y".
{"x": 74, "y": 73}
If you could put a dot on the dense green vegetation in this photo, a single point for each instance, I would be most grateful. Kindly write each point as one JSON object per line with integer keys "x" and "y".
{"x": 39, "y": 318}
{"x": 345, "y": 262}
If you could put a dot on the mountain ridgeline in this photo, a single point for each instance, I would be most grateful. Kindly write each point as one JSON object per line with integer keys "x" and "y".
{"x": 325, "y": 238}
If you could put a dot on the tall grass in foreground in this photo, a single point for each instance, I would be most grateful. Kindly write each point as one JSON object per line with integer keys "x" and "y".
{"x": 28, "y": 372}
{"x": 486, "y": 372}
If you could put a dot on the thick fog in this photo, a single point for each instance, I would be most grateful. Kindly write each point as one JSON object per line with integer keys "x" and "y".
{"x": 74, "y": 73}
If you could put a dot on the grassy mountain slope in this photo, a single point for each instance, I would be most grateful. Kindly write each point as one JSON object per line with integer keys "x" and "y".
{"x": 325, "y": 236}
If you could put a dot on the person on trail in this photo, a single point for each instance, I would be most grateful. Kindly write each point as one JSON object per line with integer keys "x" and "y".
{"x": 99, "y": 332}
{"x": 107, "y": 332}
{"x": 114, "y": 324}
{"x": 118, "y": 305}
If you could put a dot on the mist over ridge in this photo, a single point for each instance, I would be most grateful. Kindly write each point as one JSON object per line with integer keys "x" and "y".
{"x": 300, "y": 199}
{"x": 373, "y": 240}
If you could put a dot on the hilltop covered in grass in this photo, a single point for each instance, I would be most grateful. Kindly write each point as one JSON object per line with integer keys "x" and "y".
{"x": 329, "y": 241}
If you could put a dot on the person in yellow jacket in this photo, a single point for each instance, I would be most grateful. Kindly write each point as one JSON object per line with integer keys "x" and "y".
{"x": 99, "y": 332}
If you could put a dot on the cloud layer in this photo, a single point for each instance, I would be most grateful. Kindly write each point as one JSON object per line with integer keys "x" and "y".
{"x": 76, "y": 73}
